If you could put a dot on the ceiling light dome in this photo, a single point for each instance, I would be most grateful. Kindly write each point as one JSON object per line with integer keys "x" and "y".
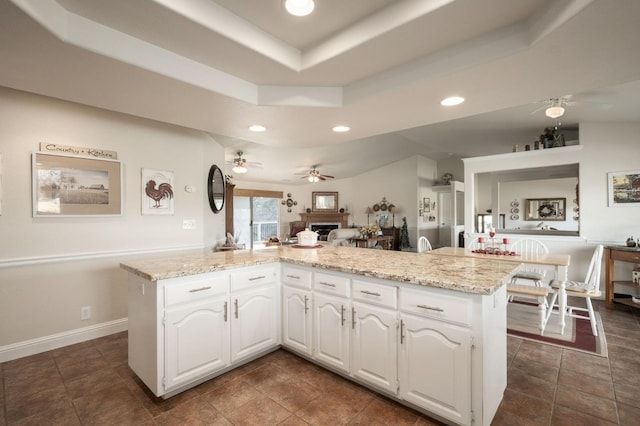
{"x": 554, "y": 111}
{"x": 299, "y": 7}
{"x": 341, "y": 129}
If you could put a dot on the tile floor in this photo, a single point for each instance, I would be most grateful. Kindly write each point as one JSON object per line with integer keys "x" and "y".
{"x": 90, "y": 383}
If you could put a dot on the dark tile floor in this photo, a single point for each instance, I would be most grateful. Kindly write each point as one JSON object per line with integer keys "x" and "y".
{"x": 90, "y": 383}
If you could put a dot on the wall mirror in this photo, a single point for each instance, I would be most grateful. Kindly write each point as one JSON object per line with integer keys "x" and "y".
{"x": 324, "y": 201}
{"x": 215, "y": 188}
{"x": 545, "y": 209}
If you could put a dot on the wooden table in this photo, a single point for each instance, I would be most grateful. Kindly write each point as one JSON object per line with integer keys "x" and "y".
{"x": 621, "y": 254}
{"x": 383, "y": 241}
{"x": 559, "y": 261}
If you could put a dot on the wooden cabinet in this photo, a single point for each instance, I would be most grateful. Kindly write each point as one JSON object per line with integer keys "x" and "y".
{"x": 620, "y": 254}
{"x": 394, "y": 233}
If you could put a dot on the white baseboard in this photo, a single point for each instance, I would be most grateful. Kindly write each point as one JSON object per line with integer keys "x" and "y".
{"x": 54, "y": 341}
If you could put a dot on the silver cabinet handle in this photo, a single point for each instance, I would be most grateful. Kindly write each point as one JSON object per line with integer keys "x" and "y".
{"x": 195, "y": 290}
{"x": 235, "y": 302}
{"x": 225, "y": 311}
{"x": 341, "y": 314}
{"x": 372, "y": 293}
{"x": 327, "y": 284}
{"x": 431, "y": 308}
{"x": 306, "y": 307}
{"x": 257, "y": 278}
{"x": 353, "y": 318}
{"x": 295, "y": 277}
{"x": 401, "y": 331}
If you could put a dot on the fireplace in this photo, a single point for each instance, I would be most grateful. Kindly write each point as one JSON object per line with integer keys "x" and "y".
{"x": 323, "y": 229}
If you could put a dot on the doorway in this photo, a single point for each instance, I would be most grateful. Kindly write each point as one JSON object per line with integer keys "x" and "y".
{"x": 255, "y": 220}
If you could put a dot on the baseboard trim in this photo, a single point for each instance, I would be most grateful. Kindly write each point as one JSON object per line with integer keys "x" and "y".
{"x": 54, "y": 341}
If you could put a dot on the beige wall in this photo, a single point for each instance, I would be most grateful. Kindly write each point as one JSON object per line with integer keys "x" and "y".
{"x": 51, "y": 267}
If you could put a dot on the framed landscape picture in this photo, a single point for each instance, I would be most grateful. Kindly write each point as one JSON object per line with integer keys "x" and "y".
{"x": 75, "y": 186}
{"x": 624, "y": 188}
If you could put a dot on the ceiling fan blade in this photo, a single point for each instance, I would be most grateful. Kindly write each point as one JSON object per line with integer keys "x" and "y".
{"x": 328, "y": 176}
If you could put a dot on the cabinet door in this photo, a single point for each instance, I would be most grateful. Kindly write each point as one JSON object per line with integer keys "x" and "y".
{"x": 435, "y": 367}
{"x": 375, "y": 346}
{"x": 254, "y": 321}
{"x": 331, "y": 325}
{"x": 197, "y": 340}
{"x": 296, "y": 321}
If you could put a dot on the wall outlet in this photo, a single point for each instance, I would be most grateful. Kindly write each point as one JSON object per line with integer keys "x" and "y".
{"x": 189, "y": 224}
{"x": 85, "y": 313}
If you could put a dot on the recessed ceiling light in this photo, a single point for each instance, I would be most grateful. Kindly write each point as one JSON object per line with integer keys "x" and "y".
{"x": 257, "y": 128}
{"x": 452, "y": 100}
{"x": 341, "y": 129}
{"x": 299, "y": 7}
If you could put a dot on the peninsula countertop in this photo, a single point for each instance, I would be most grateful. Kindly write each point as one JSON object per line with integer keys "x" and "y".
{"x": 468, "y": 275}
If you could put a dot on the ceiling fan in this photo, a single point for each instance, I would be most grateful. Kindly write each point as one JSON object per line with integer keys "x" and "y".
{"x": 315, "y": 176}
{"x": 241, "y": 165}
{"x": 554, "y": 107}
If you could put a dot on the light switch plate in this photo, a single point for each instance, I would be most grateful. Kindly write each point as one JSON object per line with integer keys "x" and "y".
{"x": 189, "y": 224}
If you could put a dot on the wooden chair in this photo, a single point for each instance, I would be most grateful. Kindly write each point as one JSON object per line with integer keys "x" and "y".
{"x": 424, "y": 245}
{"x": 296, "y": 226}
{"x": 529, "y": 247}
{"x": 587, "y": 289}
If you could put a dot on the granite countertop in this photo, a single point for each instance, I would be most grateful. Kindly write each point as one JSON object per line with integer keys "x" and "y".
{"x": 468, "y": 275}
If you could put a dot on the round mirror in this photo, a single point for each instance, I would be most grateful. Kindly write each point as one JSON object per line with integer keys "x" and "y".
{"x": 215, "y": 187}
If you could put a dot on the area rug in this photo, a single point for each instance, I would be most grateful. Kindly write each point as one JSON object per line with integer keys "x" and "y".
{"x": 523, "y": 320}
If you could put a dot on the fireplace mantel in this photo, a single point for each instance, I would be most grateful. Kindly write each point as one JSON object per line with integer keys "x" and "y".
{"x": 342, "y": 218}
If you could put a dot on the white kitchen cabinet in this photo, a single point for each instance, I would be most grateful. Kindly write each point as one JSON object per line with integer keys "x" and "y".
{"x": 255, "y": 319}
{"x": 374, "y": 346}
{"x": 435, "y": 367}
{"x": 197, "y": 340}
{"x": 331, "y": 331}
{"x": 297, "y": 309}
{"x": 297, "y": 319}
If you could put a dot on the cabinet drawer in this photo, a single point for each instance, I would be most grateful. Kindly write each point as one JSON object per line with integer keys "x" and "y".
{"x": 253, "y": 277}
{"x": 296, "y": 277}
{"x": 439, "y": 306}
{"x": 331, "y": 284}
{"x": 626, "y": 256}
{"x": 375, "y": 294}
{"x": 194, "y": 289}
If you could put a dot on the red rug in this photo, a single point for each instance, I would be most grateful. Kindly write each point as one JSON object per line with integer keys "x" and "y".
{"x": 522, "y": 321}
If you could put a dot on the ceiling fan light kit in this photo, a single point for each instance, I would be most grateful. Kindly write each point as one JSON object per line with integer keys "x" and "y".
{"x": 554, "y": 111}
{"x": 239, "y": 164}
{"x": 315, "y": 176}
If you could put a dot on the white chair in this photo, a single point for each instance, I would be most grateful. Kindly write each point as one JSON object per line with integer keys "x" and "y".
{"x": 424, "y": 244}
{"x": 587, "y": 289}
{"x": 474, "y": 245}
{"x": 532, "y": 248}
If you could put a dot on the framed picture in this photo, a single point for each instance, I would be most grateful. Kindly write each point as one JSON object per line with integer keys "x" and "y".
{"x": 324, "y": 201}
{"x": 75, "y": 186}
{"x": 426, "y": 203}
{"x": 541, "y": 209}
{"x": 624, "y": 188}
{"x": 157, "y": 192}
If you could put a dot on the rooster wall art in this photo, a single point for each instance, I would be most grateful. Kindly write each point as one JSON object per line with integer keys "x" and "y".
{"x": 164, "y": 191}
{"x": 157, "y": 192}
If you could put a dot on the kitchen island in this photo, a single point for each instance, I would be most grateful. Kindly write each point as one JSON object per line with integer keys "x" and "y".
{"x": 428, "y": 331}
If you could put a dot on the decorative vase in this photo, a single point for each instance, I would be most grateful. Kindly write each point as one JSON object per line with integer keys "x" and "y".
{"x": 631, "y": 242}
